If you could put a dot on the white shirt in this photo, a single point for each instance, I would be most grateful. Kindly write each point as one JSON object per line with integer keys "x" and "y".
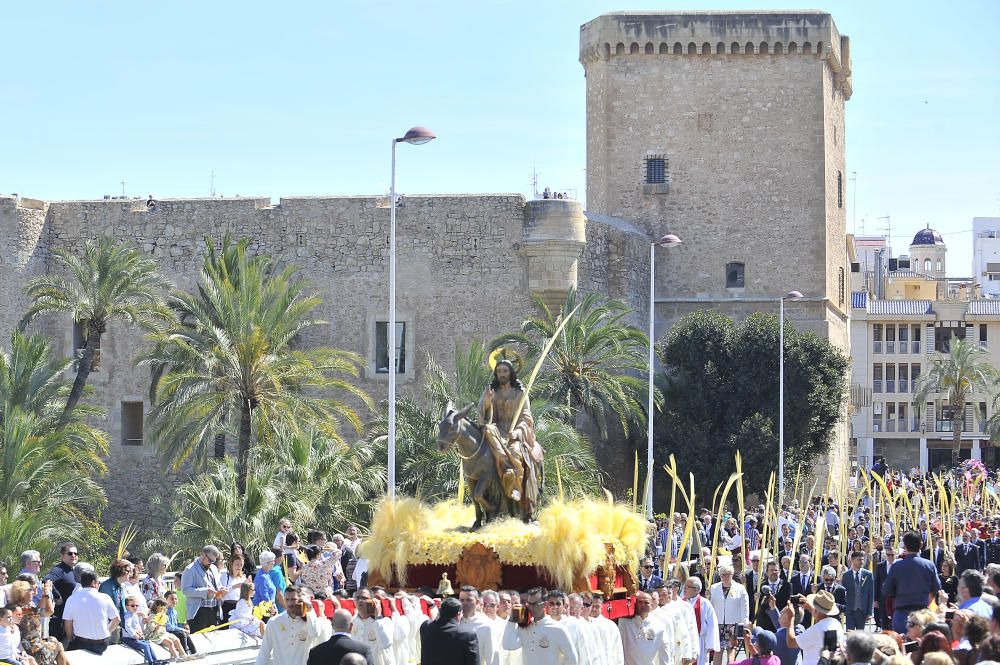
{"x": 287, "y": 641}
{"x": 733, "y": 608}
{"x": 91, "y": 612}
{"x": 672, "y": 614}
{"x": 646, "y": 641}
{"x": 811, "y": 640}
{"x": 543, "y": 642}
{"x": 592, "y": 637}
{"x": 484, "y": 629}
{"x": 708, "y": 636}
{"x": 10, "y": 643}
{"x": 507, "y": 657}
{"x": 378, "y": 635}
{"x": 611, "y": 640}
{"x": 576, "y": 636}
{"x": 279, "y": 541}
{"x": 227, "y": 581}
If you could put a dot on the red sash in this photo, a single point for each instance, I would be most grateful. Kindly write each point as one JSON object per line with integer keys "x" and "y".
{"x": 697, "y": 613}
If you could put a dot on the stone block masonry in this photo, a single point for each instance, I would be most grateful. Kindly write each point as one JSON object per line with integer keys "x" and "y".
{"x": 467, "y": 266}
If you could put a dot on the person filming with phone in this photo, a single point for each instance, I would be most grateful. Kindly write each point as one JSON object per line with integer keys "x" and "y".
{"x": 826, "y": 632}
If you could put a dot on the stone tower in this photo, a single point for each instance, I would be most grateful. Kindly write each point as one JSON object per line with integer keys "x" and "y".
{"x": 727, "y": 129}
{"x": 927, "y": 253}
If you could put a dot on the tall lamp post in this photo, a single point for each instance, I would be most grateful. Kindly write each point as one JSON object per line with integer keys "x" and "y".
{"x": 791, "y": 295}
{"x": 416, "y": 136}
{"x": 669, "y": 240}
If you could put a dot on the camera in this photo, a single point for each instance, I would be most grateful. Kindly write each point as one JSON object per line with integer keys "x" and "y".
{"x": 949, "y": 615}
{"x": 741, "y": 630}
{"x": 910, "y": 647}
{"x": 830, "y": 640}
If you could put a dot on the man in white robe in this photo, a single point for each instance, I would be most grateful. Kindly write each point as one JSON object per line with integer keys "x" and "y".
{"x": 591, "y": 634}
{"x": 706, "y": 622}
{"x": 541, "y": 642}
{"x": 680, "y": 616}
{"x": 291, "y": 635}
{"x": 505, "y": 602}
{"x": 484, "y": 628}
{"x": 372, "y": 629}
{"x": 646, "y": 641}
{"x": 610, "y": 638}
{"x": 557, "y": 604}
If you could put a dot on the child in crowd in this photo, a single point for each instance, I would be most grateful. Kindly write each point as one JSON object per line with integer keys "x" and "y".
{"x": 181, "y": 604}
{"x": 284, "y": 526}
{"x": 173, "y": 625}
{"x": 242, "y": 617}
{"x": 133, "y": 635}
{"x": 10, "y": 641}
{"x": 156, "y": 629}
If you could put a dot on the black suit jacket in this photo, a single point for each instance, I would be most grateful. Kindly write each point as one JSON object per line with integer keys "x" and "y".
{"x": 448, "y": 643}
{"x": 936, "y": 556}
{"x": 993, "y": 550}
{"x": 335, "y": 648}
{"x": 783, "y": 593}
{"x": 839, "y": 595}
{"x": 967, "y": 556}
{"x": 798, "y": 588}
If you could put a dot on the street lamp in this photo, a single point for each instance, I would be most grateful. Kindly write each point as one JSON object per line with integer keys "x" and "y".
{"x": 415, "y": 136}
{"x": 669, "y": 240}
{"x": 791, "y": 295}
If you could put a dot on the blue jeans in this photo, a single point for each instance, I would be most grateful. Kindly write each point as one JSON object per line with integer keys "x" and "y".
{"x": 143, "y": 647}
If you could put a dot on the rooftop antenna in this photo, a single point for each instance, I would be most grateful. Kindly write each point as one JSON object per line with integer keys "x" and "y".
{"x": 123, "y": 189}
{"x": 888, "y": 231}
{"x": 211, "y": 185}
{"x": 534, "y": 181}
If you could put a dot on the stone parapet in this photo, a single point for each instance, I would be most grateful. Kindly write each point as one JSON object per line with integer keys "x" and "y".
{"x": 555, "y": 233}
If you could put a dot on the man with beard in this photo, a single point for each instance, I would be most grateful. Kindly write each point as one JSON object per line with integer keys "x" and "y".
{"x": 290, "y": 636}
{"x": 510, "y": 434}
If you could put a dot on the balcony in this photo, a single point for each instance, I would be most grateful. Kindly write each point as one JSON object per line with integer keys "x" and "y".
{"x": 876, "y": 386}
{"x": 876, "y": 347}
{"x": 890, "y": 386}
{"x": 904, "y": 386}
{"x": 890, "y": 347}
{"x": 916, "y": 423}
{"x": 943, "y": 426}
{"x": 877, "y": 425}
{"x": 890, "y": 426}
{"x": 982, "y": 344}
{"x": 915, "y": 347}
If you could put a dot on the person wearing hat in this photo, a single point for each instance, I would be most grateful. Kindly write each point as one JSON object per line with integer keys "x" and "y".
{"x": 760, "y": 646}
{"x": 823, "y": 608}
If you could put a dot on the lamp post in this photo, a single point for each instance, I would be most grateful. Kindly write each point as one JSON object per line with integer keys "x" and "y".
{"x": 669, "y": 240}
{"x": 791, "y": 295}
{"x": 416, "y": 136}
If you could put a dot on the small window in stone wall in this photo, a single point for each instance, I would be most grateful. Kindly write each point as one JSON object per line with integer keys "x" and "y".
{"x": 656, "y": 170}
{"x": 132, "y": 423}
{"x": 840, "y": 190}
{"x": 382, "y": 351}
{"x": 734, "y": 275}
{"x": 841, "y": 286}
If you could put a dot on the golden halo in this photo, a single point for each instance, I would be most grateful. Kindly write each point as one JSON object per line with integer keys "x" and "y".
{"x": 503, "y": 353}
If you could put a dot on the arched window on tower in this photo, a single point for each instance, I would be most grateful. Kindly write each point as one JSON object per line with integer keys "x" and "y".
{"x": 927, "y": 265}
{"x": 938, "y": 268}
{"x": 734, "y": 275}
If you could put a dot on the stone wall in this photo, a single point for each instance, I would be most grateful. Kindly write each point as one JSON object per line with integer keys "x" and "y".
{"x": 463, "y": 274}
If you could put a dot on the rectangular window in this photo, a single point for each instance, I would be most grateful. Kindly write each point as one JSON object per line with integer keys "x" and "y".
{"x": 982, "y": 335}
{"x": 901, "y": 417}
{"x": 382, "y": 352}
{"x": 656, "y": 170}
{"x": 890, "y": 417}
{"x": 132, "y": 423}
{"x": 735, "y": 276}
{"x": 877, "y": 338}
{"x": 877, "y": 379}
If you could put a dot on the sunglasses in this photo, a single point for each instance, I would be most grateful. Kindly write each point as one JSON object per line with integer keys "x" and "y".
{"x": 647, "y": 567}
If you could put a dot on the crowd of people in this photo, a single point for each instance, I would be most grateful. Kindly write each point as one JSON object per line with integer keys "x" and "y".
{"x": 816, "y": 584}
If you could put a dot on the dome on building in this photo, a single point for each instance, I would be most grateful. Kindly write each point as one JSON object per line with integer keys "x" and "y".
{"x": 927, "y": 236}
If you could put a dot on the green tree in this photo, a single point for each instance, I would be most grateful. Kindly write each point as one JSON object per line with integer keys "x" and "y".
{"x": 597, "y": 364}
{"x": 231, "y": 361}
{"x": 111, "y": 281}
{"x": 720, "y": 384}
{"x": 956, "y": 377}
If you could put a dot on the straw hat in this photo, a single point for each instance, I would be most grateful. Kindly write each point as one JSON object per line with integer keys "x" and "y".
{"x": 824, "y": 602}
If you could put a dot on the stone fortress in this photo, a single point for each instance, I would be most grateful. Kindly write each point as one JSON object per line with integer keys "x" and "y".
{"x": 724, "y": 128}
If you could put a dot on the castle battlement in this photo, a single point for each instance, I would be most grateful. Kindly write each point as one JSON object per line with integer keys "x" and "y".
{"x": 684, "y": 34}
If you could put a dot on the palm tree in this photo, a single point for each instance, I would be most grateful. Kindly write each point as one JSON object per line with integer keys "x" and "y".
{"x": 957, "y": 376}
{"x": 46, "y": 489}
{"x": 597, "y": 363}
{"x": 111, "y": 281}
{"x": 31, "y": 379}
{"x": 231, "y": 360}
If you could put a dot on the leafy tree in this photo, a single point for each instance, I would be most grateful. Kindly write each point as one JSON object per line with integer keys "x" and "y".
{"x": 111, "y": 281}
{"x": 597, "y": 364}
{"x": 720, "y": 386}
{"x": 231, "y": 361}
{"x": 965, "y": 370}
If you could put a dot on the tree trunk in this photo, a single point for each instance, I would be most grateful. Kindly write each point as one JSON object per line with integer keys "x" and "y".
{"x": 94, "y": 332}
{"x": 956, "y": 436}
{"x": 244, "y": 452}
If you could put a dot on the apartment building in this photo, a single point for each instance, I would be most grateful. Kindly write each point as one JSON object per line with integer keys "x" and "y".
{"x": 904, "y": 311}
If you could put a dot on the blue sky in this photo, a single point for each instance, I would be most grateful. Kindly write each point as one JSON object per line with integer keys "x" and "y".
{"x": 283, "y": 99}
